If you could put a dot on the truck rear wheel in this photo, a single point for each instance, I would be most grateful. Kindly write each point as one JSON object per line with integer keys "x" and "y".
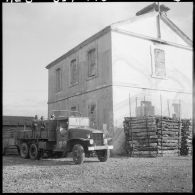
{"x": 24, "y": 150}
{"x": 103, "y": 155}
{"x": 33, "y": 152}
{"x": 78, "y": 154}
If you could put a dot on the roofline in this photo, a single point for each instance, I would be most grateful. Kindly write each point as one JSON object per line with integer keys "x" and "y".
{"x": 150, "y": 38}
{"x": 134, "y": 19}
{"x": 113, "y": 27}
{"x": 174, "y": 27}
{"x": 82, "y": 44}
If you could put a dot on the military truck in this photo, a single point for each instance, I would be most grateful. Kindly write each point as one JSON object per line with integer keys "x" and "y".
{"x": 62, "y": 135}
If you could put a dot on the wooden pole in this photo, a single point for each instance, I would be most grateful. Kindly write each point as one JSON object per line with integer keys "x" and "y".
{"x": 179, "y": 133}
{"x": 168, "y": 107}
{"x": 136, "y": 105}
{"x": 129, "y": 105}
{"x": 130, "y": 124}
{"x": 161, "y": 119}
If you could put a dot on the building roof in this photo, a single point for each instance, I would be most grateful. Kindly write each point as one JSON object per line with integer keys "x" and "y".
{"x": 134, "y": 27}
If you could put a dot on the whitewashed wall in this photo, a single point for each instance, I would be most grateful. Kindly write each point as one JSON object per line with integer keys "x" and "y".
{"x": 132, "y": 75}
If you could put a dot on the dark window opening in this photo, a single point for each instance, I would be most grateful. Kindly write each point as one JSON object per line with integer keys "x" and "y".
{"x": 92, "y": 63}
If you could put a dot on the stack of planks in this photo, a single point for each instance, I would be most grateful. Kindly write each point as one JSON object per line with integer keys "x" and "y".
{"x": 9, "y": 132}
{"x": 141, "y": 136}
{"x": 151, "y": 136}
{"x": 186, "y": 137}
{"x": 9, "y": 141}
{"x": 168, "y": 131}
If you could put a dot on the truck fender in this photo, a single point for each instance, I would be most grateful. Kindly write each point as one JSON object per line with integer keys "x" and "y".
{"x": 72, "y": 142}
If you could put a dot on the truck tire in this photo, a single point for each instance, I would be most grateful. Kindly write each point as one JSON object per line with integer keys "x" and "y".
{"x": 103, "y": 155}
{"x": 34, "y": 152}
{"x": 78, "y": 154}
{"x": 24, "y": 150}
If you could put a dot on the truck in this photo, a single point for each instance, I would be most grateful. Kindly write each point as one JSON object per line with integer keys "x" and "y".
{"x": 62, "y": 135}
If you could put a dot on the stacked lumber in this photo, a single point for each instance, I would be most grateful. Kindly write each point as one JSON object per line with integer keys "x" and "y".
{"x": 11, "y": 150}
{"x": 9, "y": 132}
{"x": 168, "y": 131}
{"x": 152, "y": 136}
{"x": 142, "y": 137}
{"x": 186, "y": 137}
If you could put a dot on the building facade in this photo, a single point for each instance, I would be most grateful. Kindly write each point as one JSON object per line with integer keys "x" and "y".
{"x": 136, "y": 67}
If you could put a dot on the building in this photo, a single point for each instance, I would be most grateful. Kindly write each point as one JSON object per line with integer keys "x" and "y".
{"x": 139, "y": 66}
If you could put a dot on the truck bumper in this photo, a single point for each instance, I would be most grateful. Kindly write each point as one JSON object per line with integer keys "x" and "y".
{"x": 91, "y": 148}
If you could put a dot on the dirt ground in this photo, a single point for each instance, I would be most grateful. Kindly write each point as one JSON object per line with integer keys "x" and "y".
{"x": 119, "y": 174}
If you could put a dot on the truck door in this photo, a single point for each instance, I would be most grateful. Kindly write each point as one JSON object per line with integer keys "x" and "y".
{"x": 62, "y": 134}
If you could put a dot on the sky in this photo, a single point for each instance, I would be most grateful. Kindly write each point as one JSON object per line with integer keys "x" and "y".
{"x": 35, "y": 34}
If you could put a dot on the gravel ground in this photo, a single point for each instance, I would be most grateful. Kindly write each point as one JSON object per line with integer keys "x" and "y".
{"x": 119, "y": 174}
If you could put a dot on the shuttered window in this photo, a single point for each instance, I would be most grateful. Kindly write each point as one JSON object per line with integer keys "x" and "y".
{"x": 92, "y": 115}
{"x": 159, "y": 60}
{"x": 73, "y": 72}
{"x": 58, "y": 79}
{"x": 92, "y": 66}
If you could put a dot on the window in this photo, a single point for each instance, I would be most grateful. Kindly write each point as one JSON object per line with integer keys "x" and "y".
{"x": 92, "y": 65}
{"x": 92, "y": 115}
{"x": 73, "y": 72}
{"x": 73, "y": 108}
{"x": 159, "y": 62}
{"x": 63, "y": 127}
{"x": 58, "y": 80}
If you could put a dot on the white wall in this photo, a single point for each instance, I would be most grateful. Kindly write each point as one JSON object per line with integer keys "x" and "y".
{"x": 132, "y": 64}
{"x": 132, "y": 75}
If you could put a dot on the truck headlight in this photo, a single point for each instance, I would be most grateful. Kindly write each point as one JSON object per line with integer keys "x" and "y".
{"x": 88, "y": 136}
{"x": 105, "y": 141}
{"x": 91, "y": 141}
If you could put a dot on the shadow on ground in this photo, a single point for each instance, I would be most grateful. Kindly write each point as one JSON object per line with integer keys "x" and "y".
{"x": 14, "y": 160}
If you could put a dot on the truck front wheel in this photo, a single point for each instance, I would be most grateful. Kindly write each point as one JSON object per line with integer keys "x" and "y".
{"x": 34, "y": 152}
{"x": 103, "y": 155}
{"x": 24, "y": 150}
{"x": 78, "y": 154}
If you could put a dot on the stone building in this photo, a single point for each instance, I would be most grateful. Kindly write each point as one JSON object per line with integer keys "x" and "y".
{"x": 139, "y": 66}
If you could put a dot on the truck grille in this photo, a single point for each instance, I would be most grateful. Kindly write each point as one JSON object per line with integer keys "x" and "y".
{"x": 98, "y": 139}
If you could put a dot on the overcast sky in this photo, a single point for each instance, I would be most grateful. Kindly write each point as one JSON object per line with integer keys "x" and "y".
{"x": 36, "y": 34}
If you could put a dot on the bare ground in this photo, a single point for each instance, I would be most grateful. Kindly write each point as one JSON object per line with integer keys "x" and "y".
{"x": 119, "y": 174}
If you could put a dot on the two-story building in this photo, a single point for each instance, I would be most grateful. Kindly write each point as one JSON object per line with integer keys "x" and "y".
{"x": 142, "y": 65}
